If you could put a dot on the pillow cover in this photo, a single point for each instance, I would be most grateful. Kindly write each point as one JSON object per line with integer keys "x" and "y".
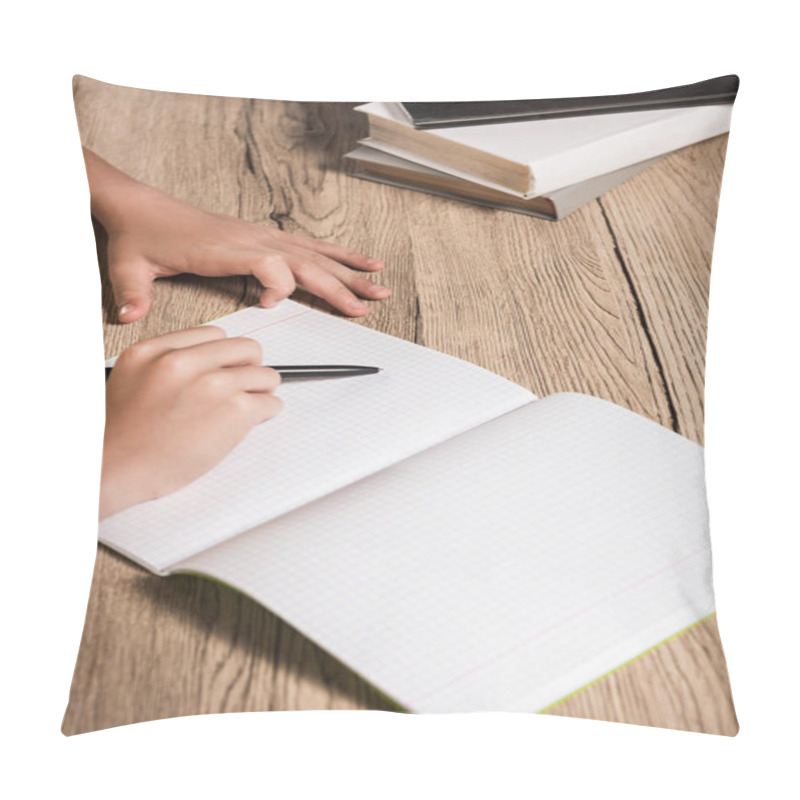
{"x": 505, "y": 509}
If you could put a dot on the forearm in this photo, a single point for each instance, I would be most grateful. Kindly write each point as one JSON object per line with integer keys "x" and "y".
{"x": 113, "y": 193}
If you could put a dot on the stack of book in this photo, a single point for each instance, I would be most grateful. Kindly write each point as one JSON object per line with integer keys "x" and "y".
{"x": 546, "y": 158}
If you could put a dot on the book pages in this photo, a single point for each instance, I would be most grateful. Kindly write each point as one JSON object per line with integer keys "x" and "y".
{"x": 500, "y": 570}
{"x": 331, "y": 432}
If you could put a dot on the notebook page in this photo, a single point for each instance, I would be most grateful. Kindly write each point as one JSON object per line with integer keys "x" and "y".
{"x": 500, "y": 570}
{"x": 330, "y": 433}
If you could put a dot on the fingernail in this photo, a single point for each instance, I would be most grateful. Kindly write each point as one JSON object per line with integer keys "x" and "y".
{"x": 356, "y": 305}
{"x": 123, "y": 310}
{"x": 373, "y": 262}
{"x": 378, "y": 289}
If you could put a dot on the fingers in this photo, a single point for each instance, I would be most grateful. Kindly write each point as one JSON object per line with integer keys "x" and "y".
{"x": 149, "y": 349}
{"x": 321, "y": 283}
{"x": 366, "y": 288}
{"x": 252, "y": 379}
{"x": 355, "y": 282}
{"x": 189, "y": 337}
{"x": 248, "y": 388}
{"x": 275, "y": 275}
{"x": 260, "y": 406}
{"x": 334, "y": 282}
{"x": 341, "y": 254}
{"x": 216, "y": 354}
{"x": 281, "y": 273}
{"x": 131, "y": 283}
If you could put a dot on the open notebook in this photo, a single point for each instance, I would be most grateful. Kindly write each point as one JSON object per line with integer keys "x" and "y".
{"x": 459, "y": 543}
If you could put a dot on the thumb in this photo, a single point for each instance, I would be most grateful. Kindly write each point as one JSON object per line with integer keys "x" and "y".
{"x": 131, "y": 282}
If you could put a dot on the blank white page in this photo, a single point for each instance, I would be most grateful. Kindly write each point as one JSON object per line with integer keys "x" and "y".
{"x": 330, "y": 433}
{"x": 500, "y": 570}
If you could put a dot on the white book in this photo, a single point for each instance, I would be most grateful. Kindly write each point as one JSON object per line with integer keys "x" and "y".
{"x": 458, "y": 542}
{"x": 382, "y": 167}
{"x": 537, "y": 157}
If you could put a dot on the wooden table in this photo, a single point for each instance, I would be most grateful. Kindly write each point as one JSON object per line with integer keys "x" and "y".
{"x": 611, "y": 301}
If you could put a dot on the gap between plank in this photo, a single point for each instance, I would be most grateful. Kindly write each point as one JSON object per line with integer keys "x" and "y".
{"x": 673, "y": 414}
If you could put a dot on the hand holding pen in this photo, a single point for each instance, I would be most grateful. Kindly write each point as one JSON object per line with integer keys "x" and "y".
{"x": 313, "y": 371}
{"x": 177, "y": 404}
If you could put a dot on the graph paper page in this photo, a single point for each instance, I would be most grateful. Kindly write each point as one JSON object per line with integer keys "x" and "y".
{"x": 330, "y": 433}
{"x": 500, "y": 570}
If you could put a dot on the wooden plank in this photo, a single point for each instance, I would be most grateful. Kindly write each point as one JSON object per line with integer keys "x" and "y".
{"x": 551, "y": 306}
{"x": 664, "y": 221}
{"x": 155, "y": 648}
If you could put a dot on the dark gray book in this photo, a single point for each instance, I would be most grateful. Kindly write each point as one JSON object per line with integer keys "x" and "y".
{"x": 451, "y": 114}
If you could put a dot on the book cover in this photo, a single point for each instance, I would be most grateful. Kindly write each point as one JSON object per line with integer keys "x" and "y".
{"x": 450, "y": 114}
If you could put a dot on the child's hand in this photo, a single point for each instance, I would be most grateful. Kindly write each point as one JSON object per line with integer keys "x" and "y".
{"x": 175, "y": 406}
{"x": 153, "y": 235}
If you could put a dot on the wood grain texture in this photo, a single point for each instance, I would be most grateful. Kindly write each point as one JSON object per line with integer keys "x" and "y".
{"x": 611, "y": 301}
{"x": 663, "y": 222}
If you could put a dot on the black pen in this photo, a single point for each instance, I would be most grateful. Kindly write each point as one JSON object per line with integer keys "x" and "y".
{"x": 323, "y": 371}
{"x": 307, "y": 371}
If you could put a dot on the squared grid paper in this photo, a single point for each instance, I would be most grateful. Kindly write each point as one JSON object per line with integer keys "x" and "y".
{"x": 330, "y": 433}
{"x": 500, "y": 570}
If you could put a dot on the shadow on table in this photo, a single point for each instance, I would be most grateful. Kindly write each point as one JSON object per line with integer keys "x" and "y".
{"x": 228, "y": 622}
